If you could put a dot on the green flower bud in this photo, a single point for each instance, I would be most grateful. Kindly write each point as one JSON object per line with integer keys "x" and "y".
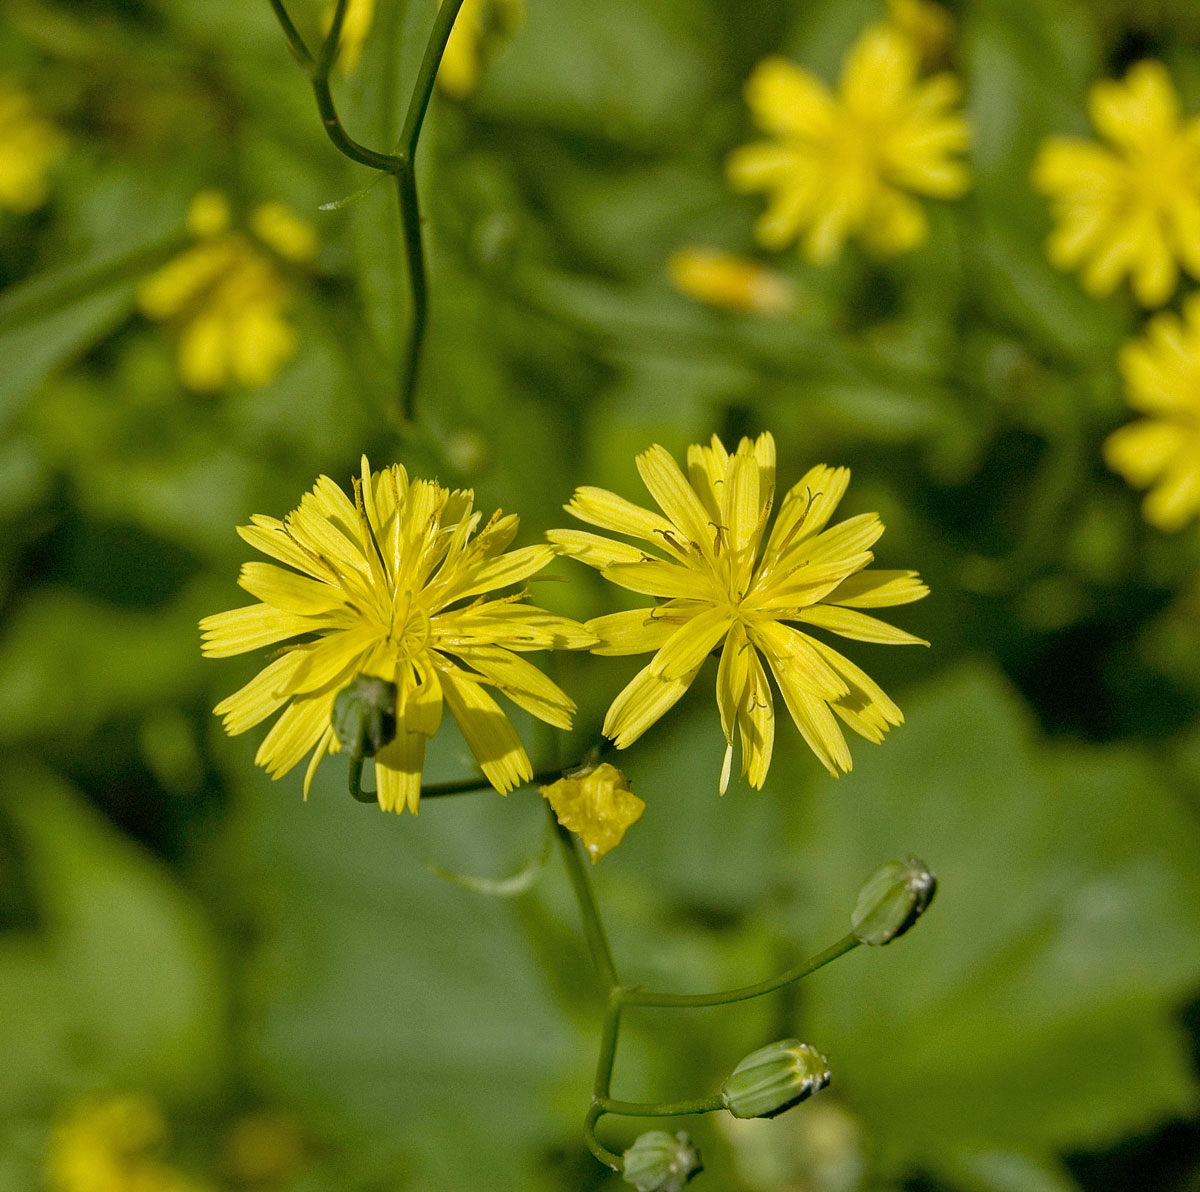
{"x": 774, "y": 1078}
{"x": 364, "y": 715}
{"x": 661, "y": 1162}
{"x": 893, "y": 900}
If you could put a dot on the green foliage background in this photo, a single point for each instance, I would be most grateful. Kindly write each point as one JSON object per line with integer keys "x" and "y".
{"x": 171, "y": 921}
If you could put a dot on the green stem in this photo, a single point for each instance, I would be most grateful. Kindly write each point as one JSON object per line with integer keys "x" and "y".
{"x": 422, "y": 90}
{"x": 318, "y": 71}
{"x": 418, "y": 286}
{"x": 461, "y": 786}
{"x": 329, "y": 47}
{"x": 593, "y": 928}
{"x": 660, "y": 1108}
{"x": 645, "y": 997}
{"x": 356, "y": 788}
{"x": 295, "y": 42}
{"x": 607, "y": 1157}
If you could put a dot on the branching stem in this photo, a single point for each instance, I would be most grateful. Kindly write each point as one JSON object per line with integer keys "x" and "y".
{"x": 400, "y": 164}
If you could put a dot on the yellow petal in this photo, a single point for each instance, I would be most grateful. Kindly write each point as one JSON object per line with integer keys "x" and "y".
{"x": 492, "y": 739}
{"x": 242, "y": 629}
{"x": 849, "y": 623}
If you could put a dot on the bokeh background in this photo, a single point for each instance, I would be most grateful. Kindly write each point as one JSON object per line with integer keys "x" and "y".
{"x": 292, "y": 988}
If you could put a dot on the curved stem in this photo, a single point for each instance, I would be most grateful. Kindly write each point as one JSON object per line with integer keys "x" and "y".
{"x": 645, "y": 997}
{"x": 607, "y": 1157}
{"x": 356, "y": 788}
{"x": 318, "y": 71}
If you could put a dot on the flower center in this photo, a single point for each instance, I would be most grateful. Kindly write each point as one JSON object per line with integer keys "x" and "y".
{"x": 411, "y": 627}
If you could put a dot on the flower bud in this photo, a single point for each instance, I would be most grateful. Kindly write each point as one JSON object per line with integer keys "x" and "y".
{"x": 661, "y": 1162}
{"x": 892, "y": 901}
{"x": 364, "y": 715}
{"x": 774, "y": 1078}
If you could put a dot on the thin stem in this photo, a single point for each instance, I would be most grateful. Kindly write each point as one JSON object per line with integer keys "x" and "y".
{"x": 398, "y": 164}
{"x": 644, "y": 997}
{"x": 356, "y": 788}
{"x": 460, "y": 786}
{"x": 329, "y": 47}
{"x": 295, "y": 42}
{"x": 607, "y": 1157}
{"x": 593, "y": 928}
{"x": 660, "y": 1109}
{"x": 602, "y": 1085}
{"x": 418, "y": 104}
{"x": 318, "y": 72}
{"x": 418, "y": 286}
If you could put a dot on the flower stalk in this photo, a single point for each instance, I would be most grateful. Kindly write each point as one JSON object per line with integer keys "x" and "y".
{"x": 399, "y": 164}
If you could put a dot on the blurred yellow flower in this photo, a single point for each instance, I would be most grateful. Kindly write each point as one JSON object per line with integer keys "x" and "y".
{"x": 597, "y": 804}
{"x": 478, "y": 28}
{"x": 228, "y": 293}
{"x": 390, "y": 585}
{"x": 717, "y": 585}
{"x": 928, "y": 26}
{"x": 840, "y": 165}
{"x": 29, "y": 146}
{"x": 1131, "y": 206}
{"x": 729, "y": 281}
{"x": 1162, "y": 451}
{"x": 112, "y": 1145}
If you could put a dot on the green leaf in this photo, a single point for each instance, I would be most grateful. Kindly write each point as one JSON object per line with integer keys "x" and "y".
{"x": 121, "y": 982}
{"x": 1033, "y": 1006}
{"x": 404, "y": 1004}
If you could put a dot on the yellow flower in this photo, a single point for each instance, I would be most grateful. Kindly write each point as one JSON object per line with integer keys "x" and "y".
{"x": 228, "y": 294}
{"x": 928, "y": 26}
{"x": 1162, "y": 451}
{"x": 479, "y": 26}
{"x": 718, "y": 585}
{"x": 1132, "y": 206}
{"x": 391, "y": 585}
{"x": 29, "y": 146}
{"x": 597, "y": 804}
{"x": 729, "y": 281}
{"x": 111, "y": 1145}
{"x": 839, "y": 165}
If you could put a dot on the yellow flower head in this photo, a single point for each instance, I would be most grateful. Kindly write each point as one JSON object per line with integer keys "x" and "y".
{"x": 1162, "y": 451}
{"x": 479, "y": 27}
{"x": 112, "y": 1145}
{"x": 729, "y": 281}
{"x": 228, "y": 293}
{"x": 597, "y": 804}
{"x": 1131, "y": 206}
{"x": 840, "y": 165}
{"x": 392, "y": 585}
{"x": 29, "y": 146}
{"x": 717, "y": 584}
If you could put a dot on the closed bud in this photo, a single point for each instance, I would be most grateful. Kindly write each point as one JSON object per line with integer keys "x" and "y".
{"x": 774, "y": 1078}
{"x": 364, "y": 715}
{"x": 893, "y": 900}
{"x": 661, "y": 1162}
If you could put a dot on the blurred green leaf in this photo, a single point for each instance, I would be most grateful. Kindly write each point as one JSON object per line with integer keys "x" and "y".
{"x": 121, "y": 983}
{"x": 392, "y": 998}
{"x": 1065, "y": 935}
